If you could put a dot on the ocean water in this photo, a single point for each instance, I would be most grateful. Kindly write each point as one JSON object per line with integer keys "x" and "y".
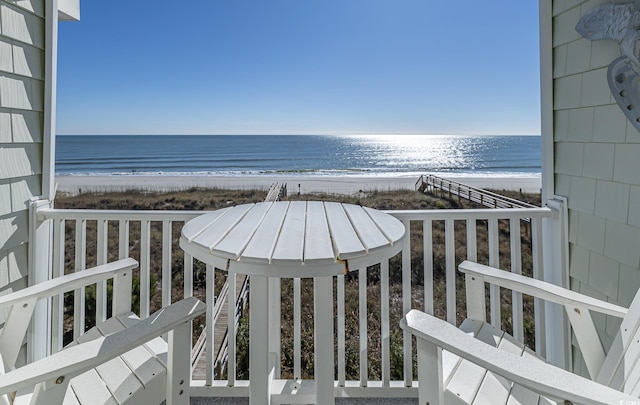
{"x": 308, "y": 155}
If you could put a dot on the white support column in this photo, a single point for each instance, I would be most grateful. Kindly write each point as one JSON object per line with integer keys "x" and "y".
{"x": 546, "y": 98}
{"x": 40, "y": 256}
{"x": 555, "y": 271}
{"x": 554, "y": 231}
{"x": 323, "y": 335}
{"x": 50, "y": 83}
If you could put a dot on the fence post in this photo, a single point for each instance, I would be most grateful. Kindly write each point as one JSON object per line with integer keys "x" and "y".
{"x": 555, "y": 270}
{"x": 40, "y": 245}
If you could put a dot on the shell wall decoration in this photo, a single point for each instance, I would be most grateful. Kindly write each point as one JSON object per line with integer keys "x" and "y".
{"x": 619, "y": 22}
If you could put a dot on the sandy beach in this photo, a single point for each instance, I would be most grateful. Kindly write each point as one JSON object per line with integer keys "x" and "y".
{"x": 304, "y": 184}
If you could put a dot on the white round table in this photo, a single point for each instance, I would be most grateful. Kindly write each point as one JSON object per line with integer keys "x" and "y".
{"x": 288, "y": 240}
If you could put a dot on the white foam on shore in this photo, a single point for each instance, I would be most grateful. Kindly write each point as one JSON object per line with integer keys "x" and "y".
{"x": 304, "y": 184}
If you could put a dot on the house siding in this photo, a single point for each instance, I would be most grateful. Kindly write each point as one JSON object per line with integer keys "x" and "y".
{"x": 22, "y": 72}
{"x": 596, "y": 159}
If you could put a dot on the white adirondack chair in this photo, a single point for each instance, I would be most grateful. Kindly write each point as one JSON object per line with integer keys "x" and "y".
{"x": 480, "y": 364}
{"x": 122, "y": 360}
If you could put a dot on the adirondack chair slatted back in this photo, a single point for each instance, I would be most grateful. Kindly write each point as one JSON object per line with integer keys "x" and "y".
{"x": 20, "y": 306}
{"x": 620, "y": 369}
{"x": 14, "y": 331}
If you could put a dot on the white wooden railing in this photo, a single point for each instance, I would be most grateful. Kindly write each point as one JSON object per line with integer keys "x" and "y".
{"x": 499, "y": 232}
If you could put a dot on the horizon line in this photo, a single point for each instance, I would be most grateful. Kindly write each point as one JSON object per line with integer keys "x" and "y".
{"x": 300, "y": 134}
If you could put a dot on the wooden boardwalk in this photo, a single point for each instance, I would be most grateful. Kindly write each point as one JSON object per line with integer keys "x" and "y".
{"x": 434, "y": 184}
{"x": 221, "y": 312}
{"x": 219, "y": 332}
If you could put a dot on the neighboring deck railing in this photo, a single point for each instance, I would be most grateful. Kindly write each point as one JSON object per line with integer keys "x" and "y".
{"x": 414, "y": 280}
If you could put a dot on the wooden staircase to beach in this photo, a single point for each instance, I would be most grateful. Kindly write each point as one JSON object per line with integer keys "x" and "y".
{"x": 220, "y": 333}
{"x": 221, "y": 312}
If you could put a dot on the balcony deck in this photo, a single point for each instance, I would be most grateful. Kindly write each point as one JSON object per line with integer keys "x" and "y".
{"x": 423, "y": 276}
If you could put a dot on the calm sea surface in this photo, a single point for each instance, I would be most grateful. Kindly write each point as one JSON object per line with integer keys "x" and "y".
{"x": 382, "y": 155}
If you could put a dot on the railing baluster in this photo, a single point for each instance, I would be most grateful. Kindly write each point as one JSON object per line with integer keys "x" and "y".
{"x": 472, "y": 241}
{"x": 516, "y": 267}
{"x": 362, "y": 314}
{"x": 341, "y": 332}
{"x": 80, "y": 264}
{"x": 450, "y": 247}
{"x": 123, "y": 243}
{"x": 188, "y": 276}
{"x": 538, "y": 304}
{"x": 209, "y": 327}
{"x": 58, "y": 270}
{"x": 406, "y": 305}
{"x": 145, "y": 265}
{"x": 101, "y": 258}
{"x": 123, "y": 239}
{"x": 427, "y": 231}
{"x": 166, "y": 263}
{"x": 494, "y": 261}
{"x": 231, "y": 329}
{"x": 384, "y": 315}
{"x": 297, "y": 349}
{"x": 274, "y": 327}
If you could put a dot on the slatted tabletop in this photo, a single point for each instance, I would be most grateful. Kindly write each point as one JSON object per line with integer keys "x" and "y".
{"x": 293, "y": 239}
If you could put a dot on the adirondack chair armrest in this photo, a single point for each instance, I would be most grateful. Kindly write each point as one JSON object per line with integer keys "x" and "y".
{"x": 68, "y": 282}
{"x": 539, "y": 289}
{"x": 72, "y": 361}
{"x": 542, "y": 378}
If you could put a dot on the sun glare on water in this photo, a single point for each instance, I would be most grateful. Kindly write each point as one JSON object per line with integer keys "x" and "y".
{"x": 421, "y": 151}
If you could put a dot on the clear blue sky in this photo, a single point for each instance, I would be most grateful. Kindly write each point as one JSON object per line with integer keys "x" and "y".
{"x": 300, "y": 67}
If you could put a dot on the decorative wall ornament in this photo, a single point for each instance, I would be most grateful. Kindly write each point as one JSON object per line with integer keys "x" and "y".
{"x": 619, "y": 22}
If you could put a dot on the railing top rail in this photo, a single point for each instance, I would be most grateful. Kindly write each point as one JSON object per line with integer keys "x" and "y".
{"x": 489, "y": 213}
{"x": 93, "y": 214}
{"x": 158, "y": 215}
